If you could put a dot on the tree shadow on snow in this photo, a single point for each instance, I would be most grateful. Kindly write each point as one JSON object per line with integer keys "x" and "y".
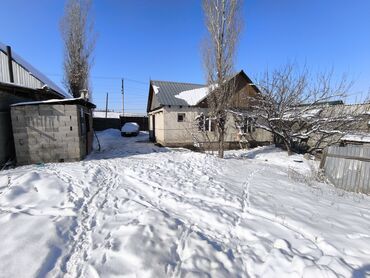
{"x": 252, "y": 153}
{"x": 362, "y": 272}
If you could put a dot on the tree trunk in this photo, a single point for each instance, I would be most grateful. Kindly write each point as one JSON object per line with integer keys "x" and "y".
{"x": 288, "y": 147}
{"x": 221, "y": 141}
{"x": 221, "y": 134}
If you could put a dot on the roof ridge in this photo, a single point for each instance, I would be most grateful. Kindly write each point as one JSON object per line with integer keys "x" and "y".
{"x": 353, "y": 104}
{"x": 187, "y": 83}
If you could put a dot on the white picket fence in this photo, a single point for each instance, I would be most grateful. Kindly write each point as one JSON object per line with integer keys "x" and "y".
{"x": 348, "y": 167}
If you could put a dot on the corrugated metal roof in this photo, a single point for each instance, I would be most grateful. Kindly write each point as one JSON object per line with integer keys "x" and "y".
{"x": 37, "y": 74}
{"x": 167, "y": 91}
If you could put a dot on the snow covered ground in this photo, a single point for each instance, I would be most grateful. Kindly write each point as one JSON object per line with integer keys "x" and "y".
{"x": 137, "y": 210}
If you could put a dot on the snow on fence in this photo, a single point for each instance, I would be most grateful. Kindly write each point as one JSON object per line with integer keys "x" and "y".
{"x": 348, "y": 167}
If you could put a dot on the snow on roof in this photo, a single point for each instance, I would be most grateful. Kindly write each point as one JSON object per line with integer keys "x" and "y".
{"x": 167, "y": 91}
{"x": 52, "y": 101}
{"x": 37, "y": 74}
{"x": 156, "y": 89}
{"x": 312, "y": 113}
{"x": 192, "y": 97}
{"x": 302, "y": 113}
{"x": 365, "y": 137}
{"x": 49, "y": 101}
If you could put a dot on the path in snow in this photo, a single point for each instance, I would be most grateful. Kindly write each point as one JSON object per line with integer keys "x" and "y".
{"x": 137, "y": 209}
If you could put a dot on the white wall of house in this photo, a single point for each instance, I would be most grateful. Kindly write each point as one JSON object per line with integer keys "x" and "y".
{"x": 181, "y": 133}
{"x": 169, "y": 131}
{"x": 159, "y": 125}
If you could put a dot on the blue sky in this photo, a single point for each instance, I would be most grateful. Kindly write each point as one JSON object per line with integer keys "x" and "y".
{"x": 161, "y": 39}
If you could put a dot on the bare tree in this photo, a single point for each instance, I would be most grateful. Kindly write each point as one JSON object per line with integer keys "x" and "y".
{"x": 223, "y": 21}
{"x": 79, "y": 41}
{"x": 302, "y": 111}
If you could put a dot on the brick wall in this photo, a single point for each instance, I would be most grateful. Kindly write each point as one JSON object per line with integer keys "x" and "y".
{"x": 48, "y": 133}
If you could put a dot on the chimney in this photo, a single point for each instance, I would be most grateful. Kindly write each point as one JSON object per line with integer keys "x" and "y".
{"x": 10, "y": 64}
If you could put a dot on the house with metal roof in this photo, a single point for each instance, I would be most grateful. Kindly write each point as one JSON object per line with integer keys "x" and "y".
{"x": 19, "y": 82}
{"x": 179, "y": 114}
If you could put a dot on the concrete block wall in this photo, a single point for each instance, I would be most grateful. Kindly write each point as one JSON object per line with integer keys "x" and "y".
{"x": 46, "y": 133}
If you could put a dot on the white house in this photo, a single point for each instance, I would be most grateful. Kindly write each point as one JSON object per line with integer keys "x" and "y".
{"x": 178, "y": 115}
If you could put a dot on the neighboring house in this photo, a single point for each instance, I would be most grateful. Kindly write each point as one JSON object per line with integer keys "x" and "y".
{"x": 19, "y": 82}
{"x": 361, "y": 135}
{"x": 178, "y": 115}
{"x": 312, "y": 127}
{"x": 356, "y": 139}
{"x": 340, "y": 112}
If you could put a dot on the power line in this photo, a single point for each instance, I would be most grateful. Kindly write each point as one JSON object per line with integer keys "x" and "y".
{"x": 106, "y": 77}
{"x": 118, "y": 91}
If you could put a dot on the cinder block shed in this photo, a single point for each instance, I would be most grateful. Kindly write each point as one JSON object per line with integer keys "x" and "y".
{"x": 52, "y": 130}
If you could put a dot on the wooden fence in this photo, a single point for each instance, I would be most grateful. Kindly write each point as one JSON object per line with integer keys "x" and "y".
{"x": 348, "y": 167}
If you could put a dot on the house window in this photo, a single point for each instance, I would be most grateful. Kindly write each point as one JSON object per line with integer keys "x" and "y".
{"x": 246, "y": 125}
{"x": 180, "y": 117}
{"x": 206, "y": 123}
{"x": 201, "y": 122}
{"x": 210, "y": 125}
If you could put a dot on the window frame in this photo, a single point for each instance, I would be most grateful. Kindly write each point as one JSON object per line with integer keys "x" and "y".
{"x": 206, "y": 123}
{"x": 180, "y": 115}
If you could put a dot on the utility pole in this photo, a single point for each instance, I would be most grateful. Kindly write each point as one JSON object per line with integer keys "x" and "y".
{"x": 106, "y": 106}
{"x": 123, "y": 99}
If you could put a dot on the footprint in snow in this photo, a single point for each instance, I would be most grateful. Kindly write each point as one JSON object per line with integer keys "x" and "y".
{"x": 282, "y": 244}
{"x": 104, "y": 258}
{"x": 108, "y": 236}
{"x": 204, "y": 178}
